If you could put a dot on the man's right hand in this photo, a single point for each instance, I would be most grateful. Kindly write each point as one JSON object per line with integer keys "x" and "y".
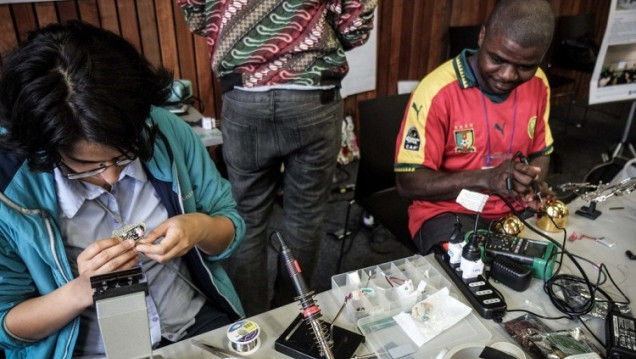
{"x": 514, "y": 178}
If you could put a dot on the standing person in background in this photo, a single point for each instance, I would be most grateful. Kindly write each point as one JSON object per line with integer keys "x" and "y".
{"x": 470, "y": 116}
{"x": 84, "y": 152}
{"x": 280, "y": 64}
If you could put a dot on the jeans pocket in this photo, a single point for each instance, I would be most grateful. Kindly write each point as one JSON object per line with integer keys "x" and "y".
{"x": 239, "y": 145}
{"x": 320, "y": 136}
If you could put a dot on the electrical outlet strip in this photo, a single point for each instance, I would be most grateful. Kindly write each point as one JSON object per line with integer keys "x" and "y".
{"x": 479, "y": 293}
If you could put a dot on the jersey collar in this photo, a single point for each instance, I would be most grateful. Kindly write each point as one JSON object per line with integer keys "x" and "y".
{"x": 467, "y": 78}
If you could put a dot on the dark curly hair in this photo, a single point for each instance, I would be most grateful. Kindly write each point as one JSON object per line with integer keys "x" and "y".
{"x": 74, "y": 81}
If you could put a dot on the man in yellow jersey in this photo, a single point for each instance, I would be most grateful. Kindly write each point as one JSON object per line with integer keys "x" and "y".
{"x": 468, "y": 119}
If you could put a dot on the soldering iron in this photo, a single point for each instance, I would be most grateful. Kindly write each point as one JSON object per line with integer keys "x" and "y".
{"x": 310, "y": 310}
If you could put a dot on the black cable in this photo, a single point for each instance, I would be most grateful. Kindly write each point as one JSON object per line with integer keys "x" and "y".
{"x": 560, "y": 281}
{"x": 509, "y": 177}
{"x": 345, "y": 236}
{"x": 538, "y": 315}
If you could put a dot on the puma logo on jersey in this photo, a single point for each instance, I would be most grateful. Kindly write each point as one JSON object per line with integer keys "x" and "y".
{"x": 500, "y": 128}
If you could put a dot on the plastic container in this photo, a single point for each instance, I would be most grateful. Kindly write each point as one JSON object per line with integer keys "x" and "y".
{"x": 388, "y": 340}
{"x": 392, "y": 286}
{"x": 377, "y": 293}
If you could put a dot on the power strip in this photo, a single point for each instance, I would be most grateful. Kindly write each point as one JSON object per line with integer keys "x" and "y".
{"x": 481, "y": 295}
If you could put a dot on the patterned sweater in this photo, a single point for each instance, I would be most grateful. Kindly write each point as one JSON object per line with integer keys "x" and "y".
{"x": 280, "y": 42}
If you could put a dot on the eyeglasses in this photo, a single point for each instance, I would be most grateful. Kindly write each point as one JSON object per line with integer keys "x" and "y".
{"x": 72, "y": 175}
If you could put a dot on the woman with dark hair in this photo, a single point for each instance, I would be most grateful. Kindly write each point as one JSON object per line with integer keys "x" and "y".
{"x": 88, "y": 162}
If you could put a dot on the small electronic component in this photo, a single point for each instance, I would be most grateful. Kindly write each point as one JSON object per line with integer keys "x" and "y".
{"x": 576, "y": 236}
{"x": 135, "y": 231}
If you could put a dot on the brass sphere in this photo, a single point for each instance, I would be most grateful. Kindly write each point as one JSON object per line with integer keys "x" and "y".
{"x": 510, "y": 225}
{"x": 556, "y": 210}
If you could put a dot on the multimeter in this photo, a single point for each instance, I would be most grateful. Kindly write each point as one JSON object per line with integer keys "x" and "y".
{"x": 537, "y": 254}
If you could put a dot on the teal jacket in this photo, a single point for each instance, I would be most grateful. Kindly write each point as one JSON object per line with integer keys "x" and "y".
{"x": 32, "y": 257}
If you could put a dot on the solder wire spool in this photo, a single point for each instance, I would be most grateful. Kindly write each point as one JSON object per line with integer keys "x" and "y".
{"x": 243, "y": 336}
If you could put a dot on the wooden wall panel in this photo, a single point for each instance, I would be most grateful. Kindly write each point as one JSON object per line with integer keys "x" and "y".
{"x": 185, "y": 47}
{"x": 108, "y": 15}
{"x": 437, "y": 52}
{"x": 9, "y": 38}
{"x": 128, "y": 23}
{"x": 24, "y": 20}
{"x": 384, "y": 42}
{"x": 45, "y": 12}
{"x": 412, "y": 36}
{"x": 395, "y": 52}
{"x": 204, "y": 95}
{"x": 167, "y": 39}
{"x": 89, "y": 11}
{"x": 66, "y": 10}
{"x": 418, "y": 42}
{"x": 148, "y": 31}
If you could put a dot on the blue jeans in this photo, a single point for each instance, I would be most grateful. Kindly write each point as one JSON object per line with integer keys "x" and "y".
{"x": 299, "y": 129}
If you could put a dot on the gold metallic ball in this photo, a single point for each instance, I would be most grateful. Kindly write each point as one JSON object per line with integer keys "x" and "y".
{"x": 510, "y": 225}
{"x": 556, "y": 210}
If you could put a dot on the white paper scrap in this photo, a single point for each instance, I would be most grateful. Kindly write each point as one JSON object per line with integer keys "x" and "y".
{"x": 442, "y": 312}
{"x": 473, "y": 201}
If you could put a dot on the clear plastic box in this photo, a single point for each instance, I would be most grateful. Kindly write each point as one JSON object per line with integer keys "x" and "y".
{"x": 377, "y": 293}
{"x": 387, "y": 339}
{"x": 384, "y": 288}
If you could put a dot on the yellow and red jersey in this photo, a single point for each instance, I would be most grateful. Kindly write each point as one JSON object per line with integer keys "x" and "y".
{"x": 450, "y": 125}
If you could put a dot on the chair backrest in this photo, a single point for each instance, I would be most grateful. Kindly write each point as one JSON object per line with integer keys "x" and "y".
{"x": 574, "y": 44}
{"x": 380, "y": 121}
{"x": 462, "y": 37}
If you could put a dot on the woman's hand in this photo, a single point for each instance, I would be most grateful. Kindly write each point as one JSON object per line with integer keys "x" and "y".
{"x": 179, "y": 234}
{"x": 104, "y": 256}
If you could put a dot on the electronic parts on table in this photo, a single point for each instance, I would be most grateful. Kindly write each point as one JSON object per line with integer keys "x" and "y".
{"x": 537, "y": 254}
{"x": 540, "y": 341}
{"x": 387, "y": 287}
{"x": 381, "y": 294}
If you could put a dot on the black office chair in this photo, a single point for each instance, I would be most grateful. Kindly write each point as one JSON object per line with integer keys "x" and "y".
{"x": 574, "y": 50}
{"x": 375, "y": 191}
{"x": 462, "y": 37}
{"x": 574, "y": 42}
